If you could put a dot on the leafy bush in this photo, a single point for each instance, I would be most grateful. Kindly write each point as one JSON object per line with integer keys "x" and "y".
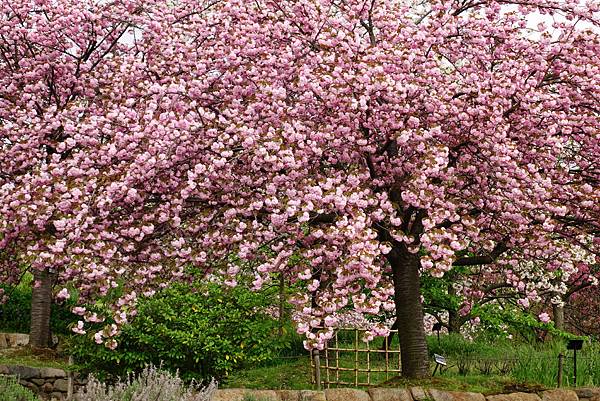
{"x": 151, "y": 385}
{"x": 201, "y": 333}
{"x": 11, "y": 390}
{"x": 15, "y": 313}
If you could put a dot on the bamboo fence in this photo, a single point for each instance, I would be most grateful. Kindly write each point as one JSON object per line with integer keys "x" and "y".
{"x": 353, "y": 364}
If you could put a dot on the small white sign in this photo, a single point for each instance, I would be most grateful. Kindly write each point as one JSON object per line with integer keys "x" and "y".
{"x": 440, "y": 360}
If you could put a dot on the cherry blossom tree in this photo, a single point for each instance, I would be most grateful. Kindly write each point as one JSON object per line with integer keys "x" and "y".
{"x": 62, "y": 70}
{"x": 581, "y": 285}
{"x": 464, "y": 291}
{"x": 348, "y": 145}
{"x": 581, "y": 312}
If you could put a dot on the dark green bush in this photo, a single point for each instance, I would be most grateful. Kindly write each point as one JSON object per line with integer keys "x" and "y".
{"x": 202, "y": 333}
{"x": 15, "y": 313}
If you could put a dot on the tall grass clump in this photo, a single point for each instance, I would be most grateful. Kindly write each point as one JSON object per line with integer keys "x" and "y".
{"x": 468, "y": 356}
{"x": 152, "y": 384}
{"x": 541, "y": 364}
{"x": 523, "y": 362}
{"x": 11, "y": 390}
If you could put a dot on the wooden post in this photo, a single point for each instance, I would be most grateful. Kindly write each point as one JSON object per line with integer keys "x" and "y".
{"x": 387, "y": 359}
{"x": 70, "y": 380}
{"x": 399, "y": 354}
{"x": 337, "y": 359}
{"x": 327, "y": 381}
{"x": 574, "y": 368}
{"x": 356, "y": 357}
{"x": 368, "y": 363}
{"x": 560, "y": 369}
{"x": 317, "y": 369}
{"x": 281, "y": 303}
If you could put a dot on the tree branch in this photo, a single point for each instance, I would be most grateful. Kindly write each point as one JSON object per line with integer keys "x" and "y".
{"x": 498, "y": 250}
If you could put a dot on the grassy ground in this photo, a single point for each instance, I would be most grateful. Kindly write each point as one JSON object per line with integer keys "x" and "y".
{"x": 288, "y": 373}
{"x": 26, "y": 357}
{"x": 296, "y": 375}
{"x": 480, "y": 367}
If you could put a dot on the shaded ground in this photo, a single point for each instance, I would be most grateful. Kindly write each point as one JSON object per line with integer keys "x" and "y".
{"x": 34, "y": 358}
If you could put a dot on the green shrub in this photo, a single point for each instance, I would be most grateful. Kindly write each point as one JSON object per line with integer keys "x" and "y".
{"x": 15, "y": 313}
{"x": 11, "y": 390}
{"x": 151, "y": 385}
{"x": 202, "y": 333}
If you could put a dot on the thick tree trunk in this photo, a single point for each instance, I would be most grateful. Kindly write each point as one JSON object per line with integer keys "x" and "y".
{"x": 559, "y": 316}
{"x": 41, "y": 302}
{"x": 409, "y": 313}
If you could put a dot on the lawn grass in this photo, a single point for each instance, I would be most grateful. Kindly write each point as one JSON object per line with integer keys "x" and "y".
{"x": 488, "y": 368}
{"x": 296, "y": 375}
{"x": 289, "y": 374}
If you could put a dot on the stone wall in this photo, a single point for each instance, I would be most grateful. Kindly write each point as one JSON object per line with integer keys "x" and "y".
{"x": 48, "y": 383}
{"x": 13, "y": 340}
{"x": 16, "y": 340}
{"x": 400, "y": 394}
{"x": 52, "y": 384}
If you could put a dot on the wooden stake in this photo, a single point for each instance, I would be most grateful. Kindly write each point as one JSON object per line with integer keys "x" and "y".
{"x": 356, "y": 357}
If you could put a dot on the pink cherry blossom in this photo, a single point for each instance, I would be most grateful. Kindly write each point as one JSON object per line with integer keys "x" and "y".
{"x": 338, "y": 143}
{"x": 544, "y": 317}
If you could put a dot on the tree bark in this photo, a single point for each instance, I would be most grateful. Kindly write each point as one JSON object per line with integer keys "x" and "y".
{"x": 559, "y": 316}
{"x": 454, "y": 322}
{"x": 409, "y": 312}
{"x": 41, "y": 302}
{"x": 454, "y": 319}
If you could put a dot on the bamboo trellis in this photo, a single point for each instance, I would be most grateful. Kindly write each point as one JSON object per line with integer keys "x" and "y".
{"x": 341, "y": 364}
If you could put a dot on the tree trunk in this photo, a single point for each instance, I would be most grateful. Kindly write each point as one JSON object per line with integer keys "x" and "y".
{"x": 454, "y": 322}
{"x": 454, "y": 319}
{"x": 41, "y": 301}
{"x": 409, "y": 312}
{"x": 559, "y": 316}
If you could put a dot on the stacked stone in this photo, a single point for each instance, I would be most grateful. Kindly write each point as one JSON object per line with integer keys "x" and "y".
{"x": 52, "y": 384}
{"x": 399, "y": 394}
{"x": 47, "y": 383}
{"x": 588, "y": 394}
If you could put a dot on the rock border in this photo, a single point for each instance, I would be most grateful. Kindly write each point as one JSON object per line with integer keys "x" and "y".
{"x": 400, "y": 394}
{"x": 52, "y": 384}
{"x": 47, "y": 383}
